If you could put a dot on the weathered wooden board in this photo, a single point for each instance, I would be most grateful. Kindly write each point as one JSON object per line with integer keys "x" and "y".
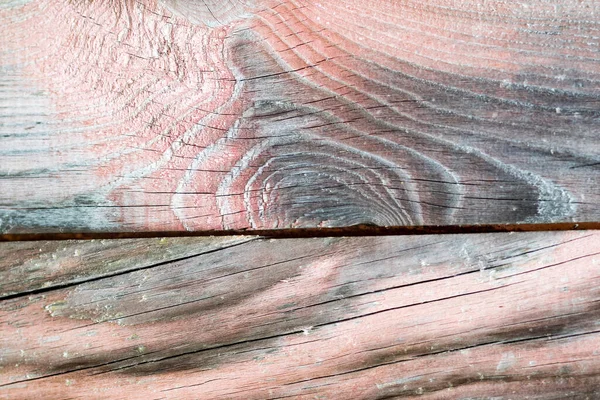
{"x": 210, "y": 115}
{"x": 503, "y": 316}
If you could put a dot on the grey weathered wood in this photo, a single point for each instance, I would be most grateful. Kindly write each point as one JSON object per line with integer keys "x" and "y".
{"x": 32, "y": 266}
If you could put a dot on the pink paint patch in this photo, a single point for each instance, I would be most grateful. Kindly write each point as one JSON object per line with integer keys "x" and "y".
{"x": 138, "y": 92}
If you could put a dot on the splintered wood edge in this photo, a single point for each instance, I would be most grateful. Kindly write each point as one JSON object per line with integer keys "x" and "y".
{"x": 357, "y": 230}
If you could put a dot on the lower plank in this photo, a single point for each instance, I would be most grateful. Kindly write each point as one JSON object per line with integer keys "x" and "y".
{"x": 438, "y": 317}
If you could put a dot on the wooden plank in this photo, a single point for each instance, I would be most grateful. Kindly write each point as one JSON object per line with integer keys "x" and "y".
{"x": 439, "y": 317}
{"x": 186, "y": 115}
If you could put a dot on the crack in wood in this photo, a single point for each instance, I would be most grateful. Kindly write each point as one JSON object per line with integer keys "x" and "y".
{"x": 323, "y": 315}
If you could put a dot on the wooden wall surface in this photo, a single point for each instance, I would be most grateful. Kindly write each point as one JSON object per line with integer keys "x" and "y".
{"x": 173, "y": 115}
{"x": 486, "y": 316}
{"x": 156, "y": 118}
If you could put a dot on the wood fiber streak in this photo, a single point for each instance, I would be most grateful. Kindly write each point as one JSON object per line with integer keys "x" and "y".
{"x": 438, "y": 317}
{"x": 35, "y": 266}
{"x": 257, "y": 114}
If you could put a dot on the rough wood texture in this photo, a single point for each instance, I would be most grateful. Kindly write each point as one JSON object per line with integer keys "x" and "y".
{"x": 503, "y": 316}
{"x": 181, "y": 114}
{"x": 31, "y": 266}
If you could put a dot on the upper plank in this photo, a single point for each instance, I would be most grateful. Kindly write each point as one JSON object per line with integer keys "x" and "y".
{"x": 182, "y": 115}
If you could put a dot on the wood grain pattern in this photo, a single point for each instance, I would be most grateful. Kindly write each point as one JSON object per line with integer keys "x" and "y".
{"x": 32, "y": 266}
{"x": 182, "y": 115}
{"x": 503, "y": 316}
